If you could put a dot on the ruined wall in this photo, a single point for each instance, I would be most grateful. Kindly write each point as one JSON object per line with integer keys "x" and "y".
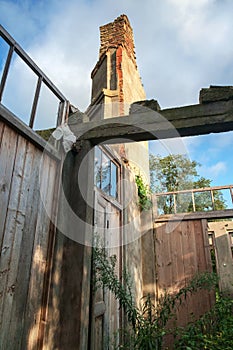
{"x": 99, "y": 77}
{"x": 132, "y": 253}
{"x": 117, "y": 64}
{"x": 132, "y": 86}
{"x": 116, "y": 72}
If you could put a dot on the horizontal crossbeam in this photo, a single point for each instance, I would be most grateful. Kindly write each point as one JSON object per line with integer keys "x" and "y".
{"x": 209, "y": 215}
{"x": 148, "y": 124}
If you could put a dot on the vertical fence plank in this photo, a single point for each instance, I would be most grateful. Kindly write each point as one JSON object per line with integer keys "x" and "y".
{"x": 7, "y": 159}
{"x": 25, "y": 254}
{"x": 20, "y": 222}
{"x": 224, "y": 262}
{"x": 207, "y": 254}
{"x": 13, "y": 226}
{"x": 34, "y": 300}
{"x": 2, "y": 126}
{"x": 163, "y": 259}
{"x": 177, "y": 263}
{"x": 43, "y": 339}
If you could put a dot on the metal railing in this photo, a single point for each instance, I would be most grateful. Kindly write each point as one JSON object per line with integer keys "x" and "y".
{"x": 41, "y": 78}
{"x": 192, "y": 207}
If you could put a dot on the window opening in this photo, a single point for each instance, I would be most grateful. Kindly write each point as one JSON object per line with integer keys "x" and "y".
{"x": 106, "y": 173}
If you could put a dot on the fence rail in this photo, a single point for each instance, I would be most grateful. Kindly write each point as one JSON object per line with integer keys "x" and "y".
{"x": 173, "y": 195}
{"x": 41, "y": 78}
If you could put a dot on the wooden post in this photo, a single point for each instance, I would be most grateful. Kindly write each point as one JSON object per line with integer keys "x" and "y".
{"x": 193, "y": 200}
{"x": 70, "y": 297}
{"x": 174, "y": 198}
{"x": 231, "y": 191}
{"x": 224, "y": 257}
{"x": 212, "y": 199}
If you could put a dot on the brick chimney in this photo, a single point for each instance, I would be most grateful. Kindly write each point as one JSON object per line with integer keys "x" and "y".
{"x": 118, "y": 33}
{"x": 116, "y": 84}
{"x": 115, "y": 79}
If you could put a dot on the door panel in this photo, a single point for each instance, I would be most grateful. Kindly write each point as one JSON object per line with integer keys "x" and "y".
{"x": 105, "y": 308}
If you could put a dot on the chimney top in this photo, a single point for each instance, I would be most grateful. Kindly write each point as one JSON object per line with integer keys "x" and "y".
{"x": 118, "y": 33}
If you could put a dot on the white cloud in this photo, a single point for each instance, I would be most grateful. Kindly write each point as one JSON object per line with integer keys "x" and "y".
{"x": 215, "y": 171}
{"x": 169, "y": 146}
{"x": 181, "y": 46}
{"x": 209, "y": 147}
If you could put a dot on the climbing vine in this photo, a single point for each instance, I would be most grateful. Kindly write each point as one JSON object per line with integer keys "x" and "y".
{"x": 144, "y": 194}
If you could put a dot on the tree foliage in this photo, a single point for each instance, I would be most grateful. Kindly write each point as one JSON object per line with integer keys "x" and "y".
{"x": 176, "y": 173}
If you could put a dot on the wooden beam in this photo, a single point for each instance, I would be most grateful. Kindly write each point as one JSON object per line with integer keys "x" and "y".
{"x": 150, "y": 124}
{"x": 212, "y": 214}
{"x": 29, "y": 62}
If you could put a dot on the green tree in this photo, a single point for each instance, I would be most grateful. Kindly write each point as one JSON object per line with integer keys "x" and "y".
{"x": 176, "y": 173}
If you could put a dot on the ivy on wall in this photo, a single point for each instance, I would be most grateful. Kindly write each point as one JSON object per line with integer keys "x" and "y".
{"x": 144, "y": 193}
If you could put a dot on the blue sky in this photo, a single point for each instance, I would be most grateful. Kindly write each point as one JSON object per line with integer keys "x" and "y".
{"x": 181, "y": 46}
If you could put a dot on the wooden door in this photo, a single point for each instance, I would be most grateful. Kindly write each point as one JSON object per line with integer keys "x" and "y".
{"x": 105, "y": 308}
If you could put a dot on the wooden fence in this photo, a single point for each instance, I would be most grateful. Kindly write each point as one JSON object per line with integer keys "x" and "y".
{"x": 182, "y": 251}
{"x": 42, "y": 305}
{"x": 184, "y": 201}
{"x": 26, "y": 231}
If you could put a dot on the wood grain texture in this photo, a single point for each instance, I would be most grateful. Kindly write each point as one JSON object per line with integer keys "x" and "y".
{"x": 12, "y": 237}
{"x": 181, "y": 253}
{"x": 24, "y": 232}
{"x": 149, "y": 125}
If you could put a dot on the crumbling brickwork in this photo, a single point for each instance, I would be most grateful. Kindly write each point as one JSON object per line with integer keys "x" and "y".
{"x": 115, "y": 77}
{"x": 118, "y": 33}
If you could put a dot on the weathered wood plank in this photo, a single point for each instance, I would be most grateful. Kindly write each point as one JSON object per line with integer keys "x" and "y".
{"x": 195, "y": 244}
{"x": 189, "y": 263}
{"x": 25, "y": 256}
{"x": 224, "y": 257}
{"x": 206, "y": 298}
{"x": 7, "y": 159}
{"x": 50, "y": 256}
{"x": 213, "y": 214}
{"x": 163, "y": 259}
{"x": 50, "y": 336}
{"x": 207, "y": 254}
{"x": 190, "y": 269}
{"x": 13, "y": 234}
{"x": 159, "y": 257}
{"x": 73, "y": 259}
{"x": 20, "y": 221}
{"x": 2, "y": 125}
{"x": 39, "y": 254}
{"x": 200, "y": 252}
{"x": 168, "y": 123}
{"x": 50, "y": 314}
{"x": 148, "y": 256}
{"x": 178, "y": 271}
